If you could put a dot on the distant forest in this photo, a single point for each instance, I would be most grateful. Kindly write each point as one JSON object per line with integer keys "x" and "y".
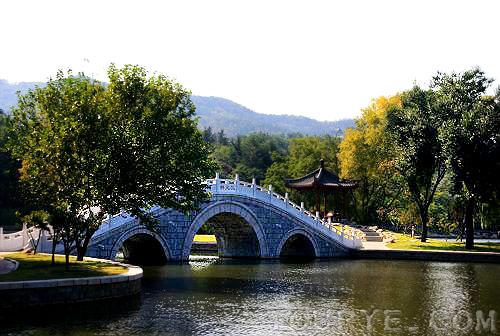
{"x": 220, "y": 114}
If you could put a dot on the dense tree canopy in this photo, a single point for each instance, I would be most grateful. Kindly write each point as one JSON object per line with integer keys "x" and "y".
{"x": 367, "y": 154}
{"x": 88, "y": 150}
{"x": 471, "y": 134}
{"x": 10, "y": 198}
{"x": 415, "y": 127}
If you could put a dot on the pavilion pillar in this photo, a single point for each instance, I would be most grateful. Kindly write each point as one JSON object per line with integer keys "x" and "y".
{"x": 317, "y": 200}
{"x": 344, "y": 207}
{"x": 324, "y": 203}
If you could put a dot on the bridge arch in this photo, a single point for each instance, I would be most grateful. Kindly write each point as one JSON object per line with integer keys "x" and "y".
{"x": 298, "y": 243}
{"x": 219, "y": 212}
{"x": 148, "y": 246}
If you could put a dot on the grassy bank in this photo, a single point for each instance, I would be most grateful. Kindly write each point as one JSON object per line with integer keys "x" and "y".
{"x": 407, "y": 243}
{"x": 38, "y": 267}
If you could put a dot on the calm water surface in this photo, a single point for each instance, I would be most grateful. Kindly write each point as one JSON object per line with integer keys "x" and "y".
{"x": 342, "y": 297}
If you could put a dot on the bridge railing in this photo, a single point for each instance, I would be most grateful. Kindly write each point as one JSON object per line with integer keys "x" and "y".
{"x": 346, "y": 235}
{"x": 17, "y": 241}
{"x": 116, "y": 221}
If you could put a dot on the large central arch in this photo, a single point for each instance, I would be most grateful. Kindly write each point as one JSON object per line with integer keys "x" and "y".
{"x": 227, "y": 214}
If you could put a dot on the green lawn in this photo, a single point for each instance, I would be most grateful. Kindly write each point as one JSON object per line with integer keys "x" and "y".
{"x": 38, "y": 267}
{"x": 205, "y": 239}
{"x": 407, "y": 243}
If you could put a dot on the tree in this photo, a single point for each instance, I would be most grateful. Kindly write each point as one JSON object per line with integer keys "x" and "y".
{"x": 304, "y": 155}
{"x": 256, "y": 154}
{"x": 250, "y": 155}
{"x": 37, "y": 219}
{"x": 88, "y": 150}
{"x": 472, "y": 139}
{"x": 415, "y": 128}
{"x": 367, "y": 154}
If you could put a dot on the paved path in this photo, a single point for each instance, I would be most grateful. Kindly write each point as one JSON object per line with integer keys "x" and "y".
{"x": 374, "y": 246}
{"x": 6, "y": 266}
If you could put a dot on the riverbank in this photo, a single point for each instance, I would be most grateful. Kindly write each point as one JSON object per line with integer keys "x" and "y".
{"x": 93, "y": 280}
{"x": 427, "y": 255}
{"x": 404, "y": 242}
{"x": 407, "y": 248}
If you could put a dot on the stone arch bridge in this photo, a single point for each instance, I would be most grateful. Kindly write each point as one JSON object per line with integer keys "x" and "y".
{"x": 249, "y": 222}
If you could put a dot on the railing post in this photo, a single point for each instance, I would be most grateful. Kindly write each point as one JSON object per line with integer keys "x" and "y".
{"x": 270, "y": 193}
{"x": 236, "y": 182}
{"x": 286, "y": 200}
{"x": 302, "y": 207}
{"x": 217, "y": 182}
{"x": 254, "y": 186}
{"x": 317, "y": 216}
{"x": 342, "y": 231}
{"x": 24, "y": 234}
{"x": 41, "y": 243}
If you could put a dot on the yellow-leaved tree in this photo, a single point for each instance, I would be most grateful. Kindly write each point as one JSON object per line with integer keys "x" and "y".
{"x": 367, "y": 155}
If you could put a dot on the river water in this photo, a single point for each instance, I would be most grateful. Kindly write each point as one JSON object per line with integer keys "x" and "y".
{"x": 211, "y": 296}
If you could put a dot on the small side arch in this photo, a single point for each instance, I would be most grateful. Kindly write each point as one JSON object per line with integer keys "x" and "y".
{"x": 301, "y": 234}
{"x": 139, "y": 231}
{"x": 222, "y": 207}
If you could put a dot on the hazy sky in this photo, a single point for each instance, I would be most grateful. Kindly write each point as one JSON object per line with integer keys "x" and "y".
{"x": 322, "y": 59}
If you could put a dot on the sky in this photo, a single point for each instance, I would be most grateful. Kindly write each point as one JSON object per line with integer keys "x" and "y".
{"x": 321, "y": 59}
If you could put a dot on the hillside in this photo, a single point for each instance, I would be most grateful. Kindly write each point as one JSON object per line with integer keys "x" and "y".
{"x": 8, "y": 97}
{"x": 219, "y": 113}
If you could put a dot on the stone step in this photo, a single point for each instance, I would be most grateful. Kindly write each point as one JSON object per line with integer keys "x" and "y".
{"x": 371, "y": 233}
{"x": 374, "y": 239}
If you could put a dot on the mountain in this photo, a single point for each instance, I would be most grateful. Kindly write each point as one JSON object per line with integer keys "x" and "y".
{"x": 233, "y": 118}
{"x": 8, "y": 96}
{"x": 219, "y": 113}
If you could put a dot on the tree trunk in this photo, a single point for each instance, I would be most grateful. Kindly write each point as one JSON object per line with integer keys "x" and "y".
{"x": 81, "y": 250}
{"x": 66, "y": 254}
{"x": 469, "y": 223}
{"x": 54, "y": 243}
{"x": 424, "y": 217}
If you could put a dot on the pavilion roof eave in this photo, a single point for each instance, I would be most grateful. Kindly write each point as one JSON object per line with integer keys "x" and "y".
{"x": 320, "y": 179}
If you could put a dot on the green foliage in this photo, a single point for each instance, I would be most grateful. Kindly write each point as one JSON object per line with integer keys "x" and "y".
{"x": 10, "y": 197}
{"x": 304, "y": 156}
{"x": 471, "y": 137}
{"x": 249, "y": 156}
{"x": 415, "y": 128}
{"x": 88, "y": 150}
{"x": 367, "y": 154}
